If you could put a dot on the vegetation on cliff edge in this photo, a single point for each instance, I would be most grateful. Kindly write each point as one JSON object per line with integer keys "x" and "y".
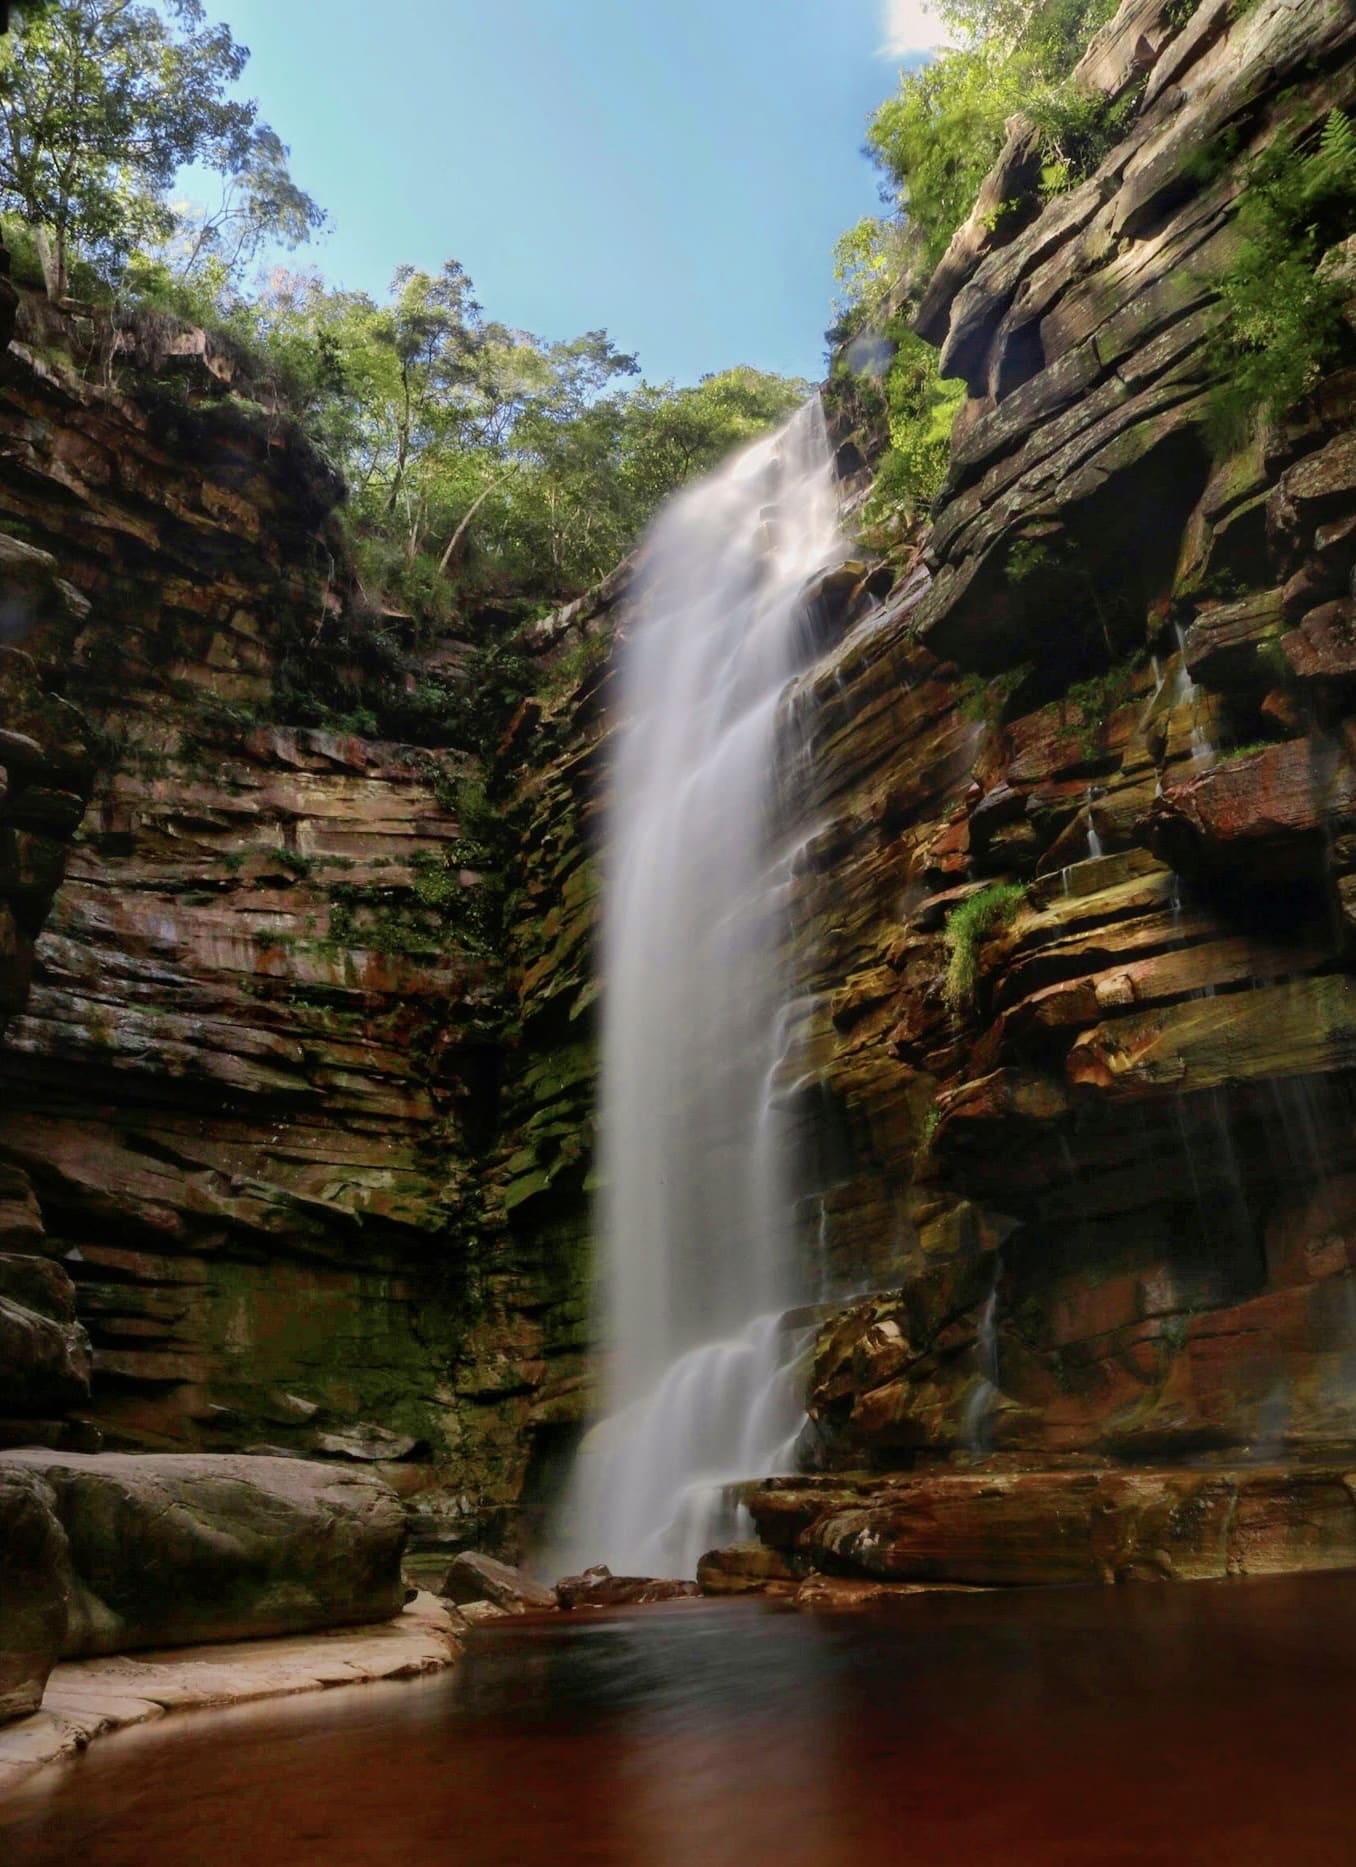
{"x": 483, "y": 461}
{"x": 935, "y": 141}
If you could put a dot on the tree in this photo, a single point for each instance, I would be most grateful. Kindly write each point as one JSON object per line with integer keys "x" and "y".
{"x": 483, "y": 460}
{"x": 101, "y": 102}
{"x": 259, "y": 204}
{"x": 671, "y": 435}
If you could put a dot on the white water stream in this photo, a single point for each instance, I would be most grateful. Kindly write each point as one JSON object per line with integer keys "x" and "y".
{"x": 698, "y": 1250}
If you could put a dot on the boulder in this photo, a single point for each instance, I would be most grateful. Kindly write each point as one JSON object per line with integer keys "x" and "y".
{"x": 598, "y": 1587}
{"x": 177, "y": 1548}
{"x": 744, "y": 1569}
{"x": 481, "y": 1613}
{"x": 1323, "y": 647}
{"x": 36, "y": 1591}
{"x": 1222, "y": 645}
{"x": 473, "y": 1577}
{"x": 21, "y": 1227}
{"x": 1266, "y": 816}
{"x": 44, "y": 1362}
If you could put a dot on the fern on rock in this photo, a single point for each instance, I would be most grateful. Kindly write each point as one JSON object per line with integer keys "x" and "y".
{"x": 1283, "y": 311}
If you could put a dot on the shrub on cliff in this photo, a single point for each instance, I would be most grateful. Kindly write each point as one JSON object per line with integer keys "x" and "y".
{"x": 935, "y": 141}
{"x": 969, "y": 926}
{"x": 919, "y": 409}
{"x": 937, "y": 138}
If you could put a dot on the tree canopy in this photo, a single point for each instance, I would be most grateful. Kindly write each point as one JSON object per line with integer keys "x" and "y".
{"x": 481, "y": 458}
{"x": 102, "y": 102}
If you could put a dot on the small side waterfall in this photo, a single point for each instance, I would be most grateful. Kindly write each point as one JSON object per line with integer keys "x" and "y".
{"x": 697, "y": 1240}
{"x": 977, "y": 1421}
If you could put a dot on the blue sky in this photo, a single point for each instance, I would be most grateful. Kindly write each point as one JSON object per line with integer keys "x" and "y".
{"x": 677, "y": 173}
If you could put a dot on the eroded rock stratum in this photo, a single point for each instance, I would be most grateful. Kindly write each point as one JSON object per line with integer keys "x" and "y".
{"x": 1112, "y": 1177}
{"x": 258, "y": 1074}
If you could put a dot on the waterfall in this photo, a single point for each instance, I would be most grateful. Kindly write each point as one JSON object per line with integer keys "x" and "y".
{"x": 1094, "y": 840}
{"x": 977, "y": 1420}
{"x": 698, "y": 1026}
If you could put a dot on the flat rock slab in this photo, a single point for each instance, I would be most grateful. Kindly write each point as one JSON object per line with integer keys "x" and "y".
{"x": 598, "y": 1587}
{"x": 1056, "y": 1528}
{"x": 87, "y": 1698}
{"x": 172, "y": 1549}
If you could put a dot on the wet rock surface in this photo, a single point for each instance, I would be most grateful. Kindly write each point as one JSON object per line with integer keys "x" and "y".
{"x": 254, "y": 1109}
{"x": 476, "y": 1578}
{"x": 745, "y": 1569}
{"x": 1061, "y": 1528}
{"x": 1105, "y": 1196}
{"x": 87, "y": 1699}
{"x": 598, "y": 1587}
{"x": 164, "y": 1550}
{"x": 35, "y": 1599}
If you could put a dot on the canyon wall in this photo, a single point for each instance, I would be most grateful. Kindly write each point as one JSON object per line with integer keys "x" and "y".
{"x": 1077, "y": 907}
{"x": 250, "y": 1083}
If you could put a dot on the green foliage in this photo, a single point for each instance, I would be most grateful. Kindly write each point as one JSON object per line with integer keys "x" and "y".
{"x": 437, "y": 912}
{"x": 938, "y": 137}
{"x": 867, "y": 261}
{"x": 101, "y": 103}
{"x": 935, "y": 141}
{"x": 1079, "y": 127}
{"x": 921, "y": 409}
{"x": 1282, "y": 315}
{"x": 1029, "y": 556}
{"x": 970, "y": 924}
{"x": 986, "y": 697}
{"x": 1245, "y": 750}
{"x": 483, "y": 460}
{"x": 365, "y": 673}
{"x": 583, "y": 658}
{"x": 1098, "y": 697}
{"x": 26, "y": 264}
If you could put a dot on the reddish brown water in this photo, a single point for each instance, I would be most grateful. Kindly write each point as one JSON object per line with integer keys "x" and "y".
{"x": 1175, "y": 1725}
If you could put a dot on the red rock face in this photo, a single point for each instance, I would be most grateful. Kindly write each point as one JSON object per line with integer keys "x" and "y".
{"x": 248, "y": 1090}
{"x": 1115, "y": 1178}
{"x": 1095, "y": 1207}
{"x": 1062, "y": 1528}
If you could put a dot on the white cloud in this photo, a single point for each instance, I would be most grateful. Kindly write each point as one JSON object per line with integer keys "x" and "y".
{"x": 910, "y": 26}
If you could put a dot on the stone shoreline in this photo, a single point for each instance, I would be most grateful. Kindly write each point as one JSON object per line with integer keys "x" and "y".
{"x": 86, "y": 1699}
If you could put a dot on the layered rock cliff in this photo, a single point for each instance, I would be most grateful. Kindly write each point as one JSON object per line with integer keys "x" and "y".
{"x": 252, "y": 1077}
{"x": 1076, "y": 911}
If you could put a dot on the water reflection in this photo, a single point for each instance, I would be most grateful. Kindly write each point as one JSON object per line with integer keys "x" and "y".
{"x": 1175, "y": 1724}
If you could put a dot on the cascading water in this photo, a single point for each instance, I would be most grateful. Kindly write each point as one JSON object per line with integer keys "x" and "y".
{"x": 698, "y": 1246}
{"x": 977, "y": 1421}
